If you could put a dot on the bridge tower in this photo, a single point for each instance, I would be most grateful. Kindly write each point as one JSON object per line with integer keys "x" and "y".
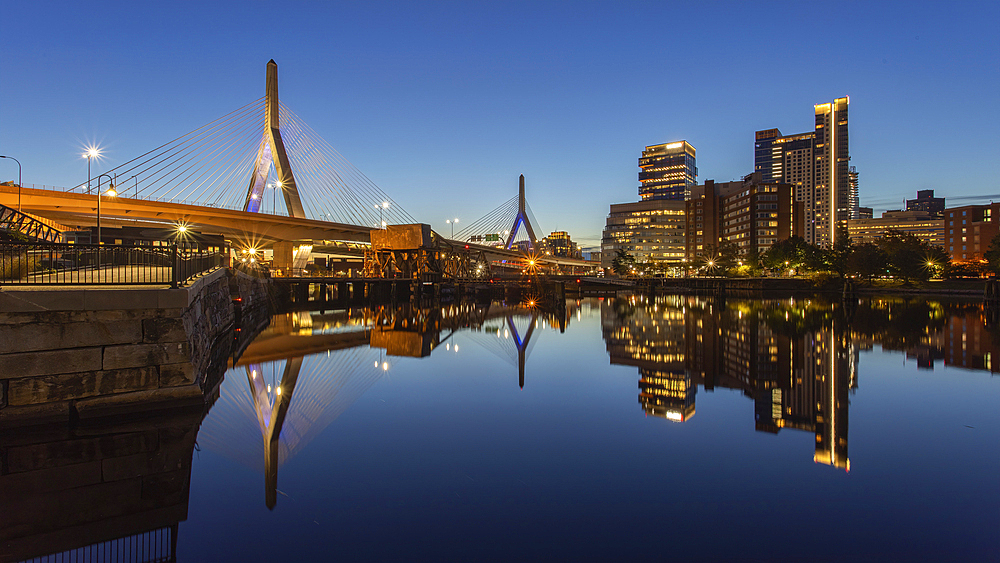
{"x": 522, "y": 219}
{"x": 272, "y": 151}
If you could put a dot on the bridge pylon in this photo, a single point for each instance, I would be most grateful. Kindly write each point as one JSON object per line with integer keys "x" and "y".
{"x": 272, "y": 151}
{"x": 522, "y": 219}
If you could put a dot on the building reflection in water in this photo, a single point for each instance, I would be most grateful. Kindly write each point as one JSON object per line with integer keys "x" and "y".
{"x": 796, "y": 359}
{"x": 791, "y": 358}
{"x": 121, "y": 486}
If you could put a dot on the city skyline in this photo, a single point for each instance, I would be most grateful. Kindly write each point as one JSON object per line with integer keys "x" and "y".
{"x": 444, "y": 105}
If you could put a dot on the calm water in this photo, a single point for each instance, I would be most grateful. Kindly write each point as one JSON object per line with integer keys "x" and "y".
{"x": 677, "y": 429}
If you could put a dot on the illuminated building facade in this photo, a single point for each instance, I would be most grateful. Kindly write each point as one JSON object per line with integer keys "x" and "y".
{"x": 558, "y": 243}
{"x": 667, "y": 171}
{"x": 968, "y": 230}
{"x": 651, "y": 231}
{"x": 817, "y": 164}
{"x": 752, "y": 214}
{"x": 920, "y": 224}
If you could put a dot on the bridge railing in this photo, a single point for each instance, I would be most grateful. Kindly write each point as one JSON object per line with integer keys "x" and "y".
{"x": 91, "y": 264}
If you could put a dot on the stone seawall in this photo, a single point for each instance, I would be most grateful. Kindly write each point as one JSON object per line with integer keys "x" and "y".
{"x": 76, "y": 353}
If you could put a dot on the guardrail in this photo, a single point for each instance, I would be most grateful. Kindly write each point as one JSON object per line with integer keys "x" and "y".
{"x": 91, "y": 264}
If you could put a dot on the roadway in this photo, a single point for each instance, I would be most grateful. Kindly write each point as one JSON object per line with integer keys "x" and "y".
{"x": 78, "y": 210}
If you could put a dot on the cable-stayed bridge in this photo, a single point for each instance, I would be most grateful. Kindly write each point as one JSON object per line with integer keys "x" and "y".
{"x": 258, "y": 175}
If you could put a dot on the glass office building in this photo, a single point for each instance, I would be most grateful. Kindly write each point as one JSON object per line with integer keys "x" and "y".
{"x": 667, "y": 171}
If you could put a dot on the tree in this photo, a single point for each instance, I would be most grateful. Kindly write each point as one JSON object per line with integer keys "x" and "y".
{"x": 910, "y": 258}
{"x": 835, "y": 258}
{"x": 752, "y": 265}
{"x": 992, "y": 255}
{"x": 793, "y": 252}
{"x": 715, "y": 260}
{"x": 866, "y": 260}
{"x": 623, "y": 262}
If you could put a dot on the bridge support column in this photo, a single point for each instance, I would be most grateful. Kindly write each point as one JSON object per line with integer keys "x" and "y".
{"x": 283, "y": 253}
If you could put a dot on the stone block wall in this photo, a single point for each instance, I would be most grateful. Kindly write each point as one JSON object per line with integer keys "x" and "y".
{"x": 94, "y": 352}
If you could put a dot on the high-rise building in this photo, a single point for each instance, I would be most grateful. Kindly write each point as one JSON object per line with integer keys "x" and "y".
{"x": 667, "y": 171}
{"x": 558, "y": 243}
{"x": 752, "y": 214}
{"x": 817, "y": 164}
{"x": 855, "y": 191}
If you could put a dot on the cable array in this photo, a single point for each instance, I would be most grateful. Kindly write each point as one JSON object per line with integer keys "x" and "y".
{"x": 200, "y": 167}
{"x": 212, "y": 166}
{"x": 331, "y": 188}
{"x": 500, "y": 221}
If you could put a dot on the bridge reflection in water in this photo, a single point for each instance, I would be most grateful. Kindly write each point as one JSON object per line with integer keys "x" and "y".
{"x": 307, "y": 368}
{"x": 797, "y": 361}
{"x": 101, "y": 489}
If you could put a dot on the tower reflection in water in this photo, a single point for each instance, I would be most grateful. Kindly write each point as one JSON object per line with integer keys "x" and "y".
{"x": 796, "y": 360}
{"x": 306, "y": 369}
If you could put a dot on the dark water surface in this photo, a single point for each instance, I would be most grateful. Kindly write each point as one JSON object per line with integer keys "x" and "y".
{"x": 679, "y": 428}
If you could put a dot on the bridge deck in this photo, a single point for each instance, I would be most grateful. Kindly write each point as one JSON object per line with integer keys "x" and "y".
{"x": 80, "y": 210}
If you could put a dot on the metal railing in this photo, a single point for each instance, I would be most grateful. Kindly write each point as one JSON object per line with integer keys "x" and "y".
{"x": 91, "y": 264}
{"x": 154, "y": 546}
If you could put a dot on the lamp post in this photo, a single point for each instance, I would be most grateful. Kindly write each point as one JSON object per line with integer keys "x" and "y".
{"x": 452, "y": 223}
{"x": 136, "y": 185}
{"x": 111, "y": 193}
{"x": 274, "y": 196}
{"x": 385, "y": 205}
{"x": 18, "y": 179}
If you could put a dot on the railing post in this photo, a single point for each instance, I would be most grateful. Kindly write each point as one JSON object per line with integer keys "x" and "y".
{"x": 176, "y": 266}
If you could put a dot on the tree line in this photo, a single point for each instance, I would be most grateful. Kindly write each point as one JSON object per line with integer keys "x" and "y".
{"x": 897, "y": 254}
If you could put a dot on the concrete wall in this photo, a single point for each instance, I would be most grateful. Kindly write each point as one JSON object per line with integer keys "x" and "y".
{"x": 68, "y": 353}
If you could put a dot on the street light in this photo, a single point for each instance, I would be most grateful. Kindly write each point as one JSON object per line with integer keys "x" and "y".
{"x": 385, "y": 205}
{"x": 274, "y": 196}
{"x": 18, "y": 180}
{"x": 111, "y": 193}
{"x": 452, "y": 223}
{"x": 92, "y": 152}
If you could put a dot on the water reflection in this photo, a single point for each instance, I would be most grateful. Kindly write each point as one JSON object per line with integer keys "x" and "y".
{"x": 797, "y": 360}
{"x": 306, "y": 369}
{"x": 122, "y": 485}
{"x": 792, "y": 359}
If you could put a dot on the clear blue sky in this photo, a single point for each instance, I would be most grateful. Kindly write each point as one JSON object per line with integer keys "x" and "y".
{"x": 443, "y": 104}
